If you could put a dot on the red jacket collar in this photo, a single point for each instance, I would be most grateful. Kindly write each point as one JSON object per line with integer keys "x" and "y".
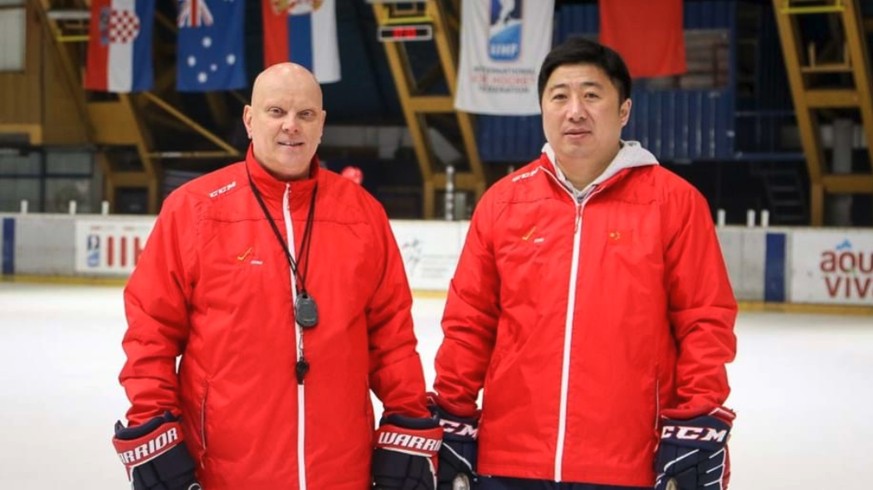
{"x": 273, "y": 188}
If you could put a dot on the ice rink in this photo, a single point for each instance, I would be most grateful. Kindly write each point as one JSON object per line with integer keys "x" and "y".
{"x": 802, "y": 389}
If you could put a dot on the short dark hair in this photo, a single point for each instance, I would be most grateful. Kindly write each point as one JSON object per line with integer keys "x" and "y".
{"x": 577, "y": 50}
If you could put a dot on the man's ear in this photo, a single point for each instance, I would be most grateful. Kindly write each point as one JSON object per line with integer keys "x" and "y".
{"x": 624, "y": 112}
{"x": 247, "y": 120}
{"x": 323, "y": 119}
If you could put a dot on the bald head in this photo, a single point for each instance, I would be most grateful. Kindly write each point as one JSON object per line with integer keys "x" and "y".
{"x": 287, "y": 76}
{"x": 285, "y": 120}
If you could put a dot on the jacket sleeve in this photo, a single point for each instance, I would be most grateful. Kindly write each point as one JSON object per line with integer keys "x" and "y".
{"x": 396, "y": 375}
{"x": 156, "y": 306}
{"x": 470, "y": 318}
{"x": 702, "y": 308}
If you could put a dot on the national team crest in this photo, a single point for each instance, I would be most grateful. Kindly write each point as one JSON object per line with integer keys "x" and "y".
{"x": 296, "y": 7}
{"x": 118, "y": 26}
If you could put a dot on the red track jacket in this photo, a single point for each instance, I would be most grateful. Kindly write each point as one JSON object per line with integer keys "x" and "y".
{"x": 584, "y": 322}
{"x": 214, "y": 286}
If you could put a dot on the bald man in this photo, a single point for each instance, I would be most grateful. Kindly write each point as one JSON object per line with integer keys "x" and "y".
{"x": 281, "y": 287}
{"x": 285, "y": 120}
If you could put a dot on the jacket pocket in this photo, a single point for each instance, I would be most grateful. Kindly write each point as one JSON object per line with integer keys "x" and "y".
{"x": 202, "y": 421}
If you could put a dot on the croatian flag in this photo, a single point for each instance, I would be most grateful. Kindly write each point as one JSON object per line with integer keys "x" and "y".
{"x": 302, "y": 31}
{"x": 120, "y": 46}
{"x": 210, "y": 53}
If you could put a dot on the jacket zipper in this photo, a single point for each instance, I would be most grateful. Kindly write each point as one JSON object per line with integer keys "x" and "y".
{"x": 298, "y": 338}
{"x": 568, "y": 324}
{"x": 568, "y": 338}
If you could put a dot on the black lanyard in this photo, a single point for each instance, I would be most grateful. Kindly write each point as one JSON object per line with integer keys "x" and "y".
{"x": 305, "y": 309}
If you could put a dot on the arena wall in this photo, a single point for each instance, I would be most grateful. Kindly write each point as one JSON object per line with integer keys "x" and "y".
{"x": 807, "y": 266}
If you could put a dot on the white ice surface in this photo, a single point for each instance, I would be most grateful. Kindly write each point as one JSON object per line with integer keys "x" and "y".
{"x": 802, "y": 388}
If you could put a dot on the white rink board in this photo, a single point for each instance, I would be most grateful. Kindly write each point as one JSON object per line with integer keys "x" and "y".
{"x": 832, "y": 266}
{"x": 430, "y": 251}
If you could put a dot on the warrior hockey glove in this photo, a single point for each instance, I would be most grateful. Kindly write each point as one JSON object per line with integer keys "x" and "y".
{"x": 405, "y": 457}
{"x": 693, "y": 453}
{"x": 458, "y": 452}
{"x": 155, "y": 455}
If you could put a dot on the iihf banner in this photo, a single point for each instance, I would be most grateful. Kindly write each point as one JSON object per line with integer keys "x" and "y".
{"x": 302, "y": 31}
{"x": 109, "y": 246}
{"x": 211, "y": 54}
{"x": 648, "y": 34}
{"x": 503, "y": 43}
{"x": 120, "y": 46}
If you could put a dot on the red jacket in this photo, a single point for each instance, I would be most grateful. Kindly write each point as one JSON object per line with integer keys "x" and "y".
{"x": 214, "y": 286}
{"x": 584, "y": 322}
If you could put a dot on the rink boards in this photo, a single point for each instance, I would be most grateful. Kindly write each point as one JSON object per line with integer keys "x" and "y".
{"x": 832, "y": 266}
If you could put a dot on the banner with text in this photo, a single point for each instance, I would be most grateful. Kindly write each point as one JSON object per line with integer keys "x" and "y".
{"x": 109, "y": 246}
{"x": 503, "y": 43}
{"x": 430, "y": 251}
{"x": 833, "y": 266}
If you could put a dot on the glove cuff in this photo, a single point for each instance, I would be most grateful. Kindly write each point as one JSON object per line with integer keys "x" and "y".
{"x": 687, "y": 413}
{"x": 152, "y": 444}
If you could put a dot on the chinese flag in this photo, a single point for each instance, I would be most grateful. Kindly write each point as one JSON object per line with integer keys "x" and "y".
{"x": 646, "y": 33}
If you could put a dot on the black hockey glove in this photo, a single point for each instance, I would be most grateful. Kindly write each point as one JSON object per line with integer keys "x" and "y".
{"x": 457, "y": 465}
{"x": 693, "y": 454}
{"x": 155, "y": 455}
{"x": 405, "y": 456}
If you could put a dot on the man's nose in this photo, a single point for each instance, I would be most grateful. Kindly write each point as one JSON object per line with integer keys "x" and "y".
{"x": 577, "y": 110}
{"x": 289, "y": 124}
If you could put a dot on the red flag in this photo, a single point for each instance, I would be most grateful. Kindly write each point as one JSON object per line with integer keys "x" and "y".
{"x": 646, "y": 33}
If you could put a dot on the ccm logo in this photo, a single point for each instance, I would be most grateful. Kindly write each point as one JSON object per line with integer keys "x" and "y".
{"x": 459, "y": 428}
{"x": 151, "y": 448}
{"x": 704, "y": 434}
{"x": 222, "y": 190}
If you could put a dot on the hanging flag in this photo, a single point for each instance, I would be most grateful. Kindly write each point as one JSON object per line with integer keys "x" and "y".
{"x": 302, "y": 31}
{"x": 503, "y": 43}
{"x": 211, "y": 54}
{"x": 120, "y": 46}
{"x": 650, "y": 48}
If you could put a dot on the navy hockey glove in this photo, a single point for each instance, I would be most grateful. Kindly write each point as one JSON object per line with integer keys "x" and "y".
{"x": 155, "y": 455}
{"x": 405, "y": 456}
{"x": 693, "y": 454}
{"x": 457, "y": 467}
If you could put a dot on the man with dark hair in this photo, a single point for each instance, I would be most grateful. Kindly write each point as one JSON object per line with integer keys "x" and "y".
{"x": 592, "y": 304}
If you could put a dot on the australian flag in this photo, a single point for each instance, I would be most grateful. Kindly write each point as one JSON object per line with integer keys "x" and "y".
{"x": 210, "y": 53}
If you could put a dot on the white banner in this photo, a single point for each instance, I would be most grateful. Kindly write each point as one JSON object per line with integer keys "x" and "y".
{"x": 503, "y": 43}
{"x": 834, "y": 266}
{"x": 109, "y": 245}
{"x": 430, "y": 251}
